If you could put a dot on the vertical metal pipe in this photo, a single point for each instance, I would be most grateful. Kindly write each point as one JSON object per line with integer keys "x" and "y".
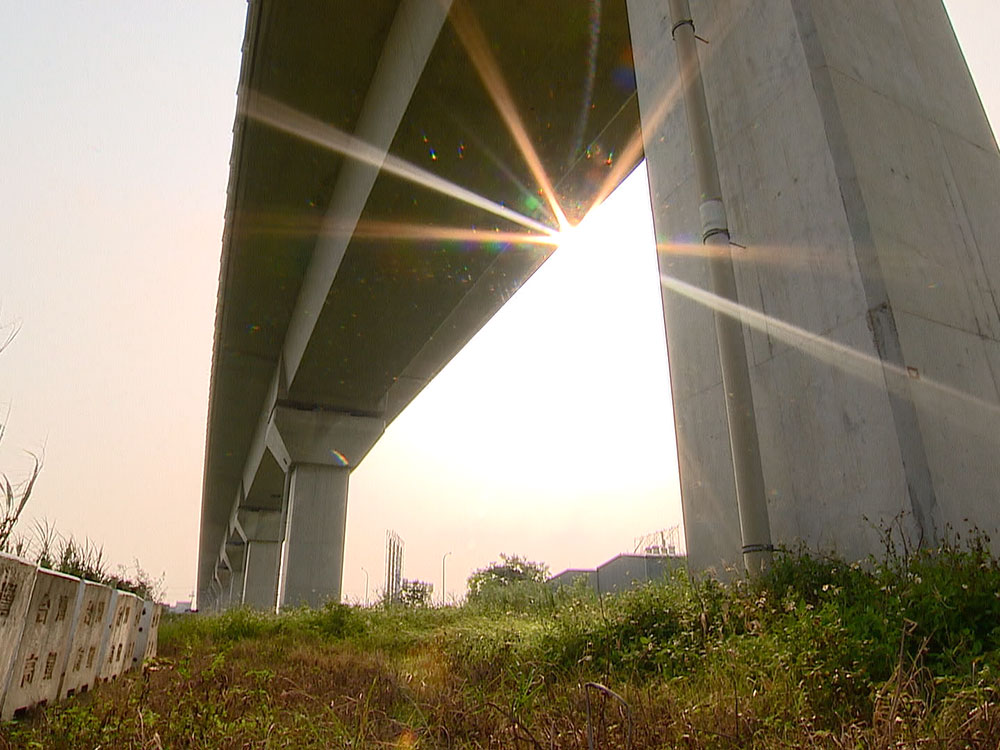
{"x": 755, "y": 526}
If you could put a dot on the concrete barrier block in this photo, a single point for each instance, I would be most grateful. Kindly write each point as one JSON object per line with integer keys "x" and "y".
{"x": 46, "y": 636}
{"x": 145, "y": 642}
{"x": 107, "y": 628}
{"x": 133, "y": 635}
{"x": 84, "y": 654}
{"x": 152, "y": 643}
{"x": 119, "y": 635}
{"x": 17, "y": 578}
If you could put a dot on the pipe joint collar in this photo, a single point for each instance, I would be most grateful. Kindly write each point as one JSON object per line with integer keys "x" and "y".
{"x": 713, "y": 218}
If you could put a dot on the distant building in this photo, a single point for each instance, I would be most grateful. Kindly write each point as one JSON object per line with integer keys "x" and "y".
{"x": 181, "y": 608}
{"x": 393, "y": 566}
{"x": 568, "y": 578}
{"x": 621, "y": 572}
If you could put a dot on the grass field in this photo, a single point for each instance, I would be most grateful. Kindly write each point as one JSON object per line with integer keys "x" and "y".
{"x": 905, "y": 653}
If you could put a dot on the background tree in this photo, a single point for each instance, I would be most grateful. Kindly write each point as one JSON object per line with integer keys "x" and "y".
{"x": 510, "y": 570}
{"x": 416, "y": 593}
{"x": 514, "y": 583}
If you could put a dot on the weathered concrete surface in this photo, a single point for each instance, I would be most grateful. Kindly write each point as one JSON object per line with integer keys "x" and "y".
{"x": 145, "y": 639}
{"x": 314, "y": 543}
{"x": 17, "y": 578}
{"x": 119, "y": 634}
{"x": 83, "y": 656}
{"x": 44, "y": 640}
{"x": 263, "y": 564}
{"x": 859, "y": 171}
{"x": 132, "y": 636}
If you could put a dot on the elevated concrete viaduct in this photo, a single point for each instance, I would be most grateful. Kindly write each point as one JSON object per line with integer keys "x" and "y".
{"x": 334, "y": 310}
{"x": 860, "y": 177}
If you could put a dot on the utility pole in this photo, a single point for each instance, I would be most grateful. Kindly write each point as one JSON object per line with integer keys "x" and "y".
{"x": 443, "y": 558}
{"x": 755, "y": 527}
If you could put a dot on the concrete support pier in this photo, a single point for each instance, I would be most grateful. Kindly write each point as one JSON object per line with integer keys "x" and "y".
{"x": 213, "y": 602}
{"x": 231, "y": 575}
{"x": 314, "y": 535}
{"x": 260, "y": 588}
{"x": 236, "y": 555}
{"x": 860, "y": 178}
{"x": 262, "y": 559}
{"x": 225, "y": 588}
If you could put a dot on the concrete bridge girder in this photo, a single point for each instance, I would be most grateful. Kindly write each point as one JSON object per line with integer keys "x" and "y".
{"x": 317, "y": 439}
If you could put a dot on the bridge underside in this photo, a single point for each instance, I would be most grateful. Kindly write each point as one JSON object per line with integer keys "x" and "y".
{"x": 344, "y": 287}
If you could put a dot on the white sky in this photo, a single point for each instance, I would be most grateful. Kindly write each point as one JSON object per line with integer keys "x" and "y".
{"x": 549, "y": 436}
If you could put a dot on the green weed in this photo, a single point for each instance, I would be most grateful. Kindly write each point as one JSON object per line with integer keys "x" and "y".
{"x": 894, "y": 653}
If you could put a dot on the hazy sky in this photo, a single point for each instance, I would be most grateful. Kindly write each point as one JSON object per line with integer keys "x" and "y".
{"x": 115, "y": 136}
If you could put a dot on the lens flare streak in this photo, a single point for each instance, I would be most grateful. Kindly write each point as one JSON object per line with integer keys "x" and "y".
{"x": 788, "y": 258}
{"x": 633, "y": 150}
{"x": 295, "y": 225}
{"x": 651, "y": 121}
{"x": 846, "y": 358}
{"x": 280, "y": 116}
{"x": 425, "y": 233}
{"x": 478, "y": 48}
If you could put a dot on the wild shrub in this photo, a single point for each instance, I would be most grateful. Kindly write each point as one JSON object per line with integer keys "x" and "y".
{"x": 952, "y": 595}
{"x": 331, "y": 621}
{"x": 515, "y": 597}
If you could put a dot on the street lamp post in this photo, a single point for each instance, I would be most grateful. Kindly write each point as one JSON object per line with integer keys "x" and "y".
{"x": 443, "y": 558}
{"x": 366, "y": 584}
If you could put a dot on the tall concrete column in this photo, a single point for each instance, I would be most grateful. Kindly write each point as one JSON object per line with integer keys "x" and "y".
{"x": 211, "y": 604}
{"x": 860, "y": 175}
{"x": 236, "y": 552}
{"x": 260, "y": 584}
{"x": 262, "y": 559}
{"x": 225, "y": 576}
{"x": 314, "y": 534}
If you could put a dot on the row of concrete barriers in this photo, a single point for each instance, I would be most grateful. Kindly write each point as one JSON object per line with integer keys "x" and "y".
{"x": 60, "y": 635}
